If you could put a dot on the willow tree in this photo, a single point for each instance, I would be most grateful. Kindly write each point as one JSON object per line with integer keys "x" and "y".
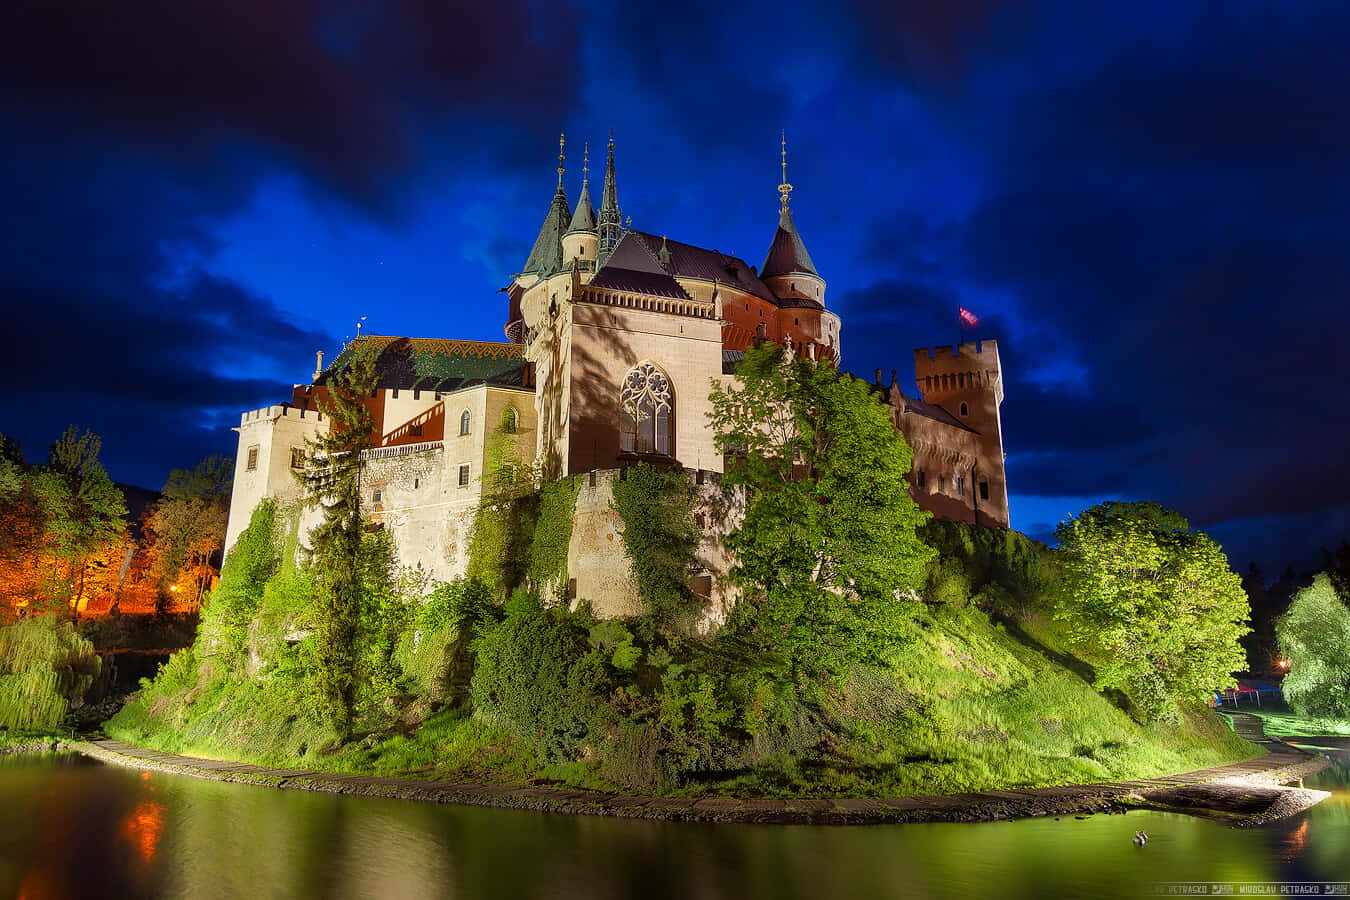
{"x": 827, "y": 553}
{"x": 332, "y": 481}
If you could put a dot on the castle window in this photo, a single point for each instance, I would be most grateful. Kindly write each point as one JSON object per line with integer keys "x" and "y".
{"x": 984, "y": 490}
{"x": 965, "y": 410}
{"x": 417, "y": 394}
{"x": 252, "y": 459}
{"x": 375, "y": 497}
{"x": 920, "y": 479}
{"x": 464, "y": 475}
{"x": 942, "y": 484}
{"x": 297, "y": 458}
{"x": 511, "y": 422}
{"x": 464, "y": 420}
{"x": 415, "y": 430}
{"x": 646, "y": 409}
{"x": 416, "y": 483}
{"x": 394, "y": 393}
{"x": 958, "y": 485}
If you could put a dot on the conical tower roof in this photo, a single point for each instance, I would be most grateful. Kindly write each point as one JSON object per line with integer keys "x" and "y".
{"x": 787, "y": 254}
{"x": 584, "y": 218}
{"x": 546, "y": 256}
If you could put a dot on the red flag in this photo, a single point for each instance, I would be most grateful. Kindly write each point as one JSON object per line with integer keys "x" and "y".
{"x": 968, "y": 318}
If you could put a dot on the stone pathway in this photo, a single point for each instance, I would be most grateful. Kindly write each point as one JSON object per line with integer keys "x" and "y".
{"x": 1282, "y": 764}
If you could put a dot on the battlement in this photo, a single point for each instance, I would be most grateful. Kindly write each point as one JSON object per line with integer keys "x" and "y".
{"x": 285, "y": 410}
{"x": 983, "y": 352}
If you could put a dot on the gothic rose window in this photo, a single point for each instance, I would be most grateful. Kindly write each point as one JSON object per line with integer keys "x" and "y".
{"x": 645, "y": 410}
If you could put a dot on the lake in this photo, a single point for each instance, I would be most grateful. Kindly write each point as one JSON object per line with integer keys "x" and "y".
{"x": 74, "y": 828}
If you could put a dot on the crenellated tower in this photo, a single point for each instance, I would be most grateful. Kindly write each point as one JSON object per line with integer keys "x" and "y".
{"x": 967, "y": 382}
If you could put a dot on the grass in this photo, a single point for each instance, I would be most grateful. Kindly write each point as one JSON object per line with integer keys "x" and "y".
{"x": 1281, "y": 721}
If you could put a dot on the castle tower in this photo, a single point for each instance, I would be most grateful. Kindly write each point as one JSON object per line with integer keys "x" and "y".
{"x": 788, "y": 270}
{"x": 611, "y": 220}
{"x": 546, "y": 257}
{"x": 968, "y": 384}
{"x": 581, "y": 242}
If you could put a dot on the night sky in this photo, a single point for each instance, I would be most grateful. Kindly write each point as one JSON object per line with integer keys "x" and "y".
{"x": 1146, "y": 205}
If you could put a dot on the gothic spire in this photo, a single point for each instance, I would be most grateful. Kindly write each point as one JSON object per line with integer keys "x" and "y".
{"x": 611, "y": 222}
{"x": 584, "y": 218}
{"x": 546, "y": 256}
{"x": 787, "y": 254}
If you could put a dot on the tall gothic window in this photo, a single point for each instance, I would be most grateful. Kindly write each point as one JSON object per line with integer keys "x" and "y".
{"x": 464, "y": 421}
{"x": 645, "y": 411}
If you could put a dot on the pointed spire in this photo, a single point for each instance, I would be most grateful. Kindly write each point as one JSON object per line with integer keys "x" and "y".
{"x": 787, "y": 254}
{"x": 562, "y": 141}
{"x": 584, "y": 218}
{"x": 611, "y": 222}
{"x": 546, "y": 256}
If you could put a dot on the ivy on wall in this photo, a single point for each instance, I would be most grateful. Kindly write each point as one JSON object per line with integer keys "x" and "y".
{"x": 660, "y": 538}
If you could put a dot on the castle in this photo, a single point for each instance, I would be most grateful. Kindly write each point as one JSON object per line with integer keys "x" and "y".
{"x": 615, "y": 337}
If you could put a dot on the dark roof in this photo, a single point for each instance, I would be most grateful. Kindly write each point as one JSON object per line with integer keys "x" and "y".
{"x": 633, "y": 267}
{"x": 688, "y": 261}
{"x": 787, "y": 254}
{"x": 584, "y": 218}
{"x": 546, "y": 256}
{"x": 432, "y": 364}
{"x": 731, "y": 361}
{"x": 936, "y": 413}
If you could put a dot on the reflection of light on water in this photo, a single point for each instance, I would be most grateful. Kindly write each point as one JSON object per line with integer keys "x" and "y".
{"x": 1295, "y": 842}
{"x": 143, "y": 827}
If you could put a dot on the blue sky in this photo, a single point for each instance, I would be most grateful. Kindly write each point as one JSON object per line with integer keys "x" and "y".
{"x": 1146, "y": 204}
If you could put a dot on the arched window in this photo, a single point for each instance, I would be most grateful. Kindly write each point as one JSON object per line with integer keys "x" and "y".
{"x": 511, "y": 421}
{"x": 646, "y": 409}
{"x": 965, "y": 410}
{"x": 464, "y": 421}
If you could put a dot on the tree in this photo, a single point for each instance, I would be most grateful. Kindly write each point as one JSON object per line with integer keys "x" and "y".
{"x": 83, "y": 511}
{"x": 827, "y": 548}
{"x": 21, "y": 532}
{"x": 1314, "y": 637}
{"x": 1157, "y": 604}
{"x": 332, "y": 480}
{"x": 188, "y": 523}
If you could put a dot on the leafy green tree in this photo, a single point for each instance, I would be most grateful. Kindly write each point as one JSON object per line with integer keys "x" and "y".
{"x": 188, "y": 523}
{"x": 12, "y": 469}
{"x": 1314, "y": 637}
{"x": 827, "y": 552}
{"x": 332, "y": 480}
{"x": 1156, "y": 604}
{"x": 83, "y": 511}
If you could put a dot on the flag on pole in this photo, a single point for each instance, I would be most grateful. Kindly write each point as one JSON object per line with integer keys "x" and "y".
{"x": 968, "y": 318}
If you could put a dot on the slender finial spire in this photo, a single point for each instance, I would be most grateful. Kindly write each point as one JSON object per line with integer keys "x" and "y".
{"x": 585, "y": 162}
{"x": 784, "y": 189}
{"x": 562, "y": 140}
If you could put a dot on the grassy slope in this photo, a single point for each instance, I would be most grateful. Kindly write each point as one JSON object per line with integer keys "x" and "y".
{"x": 966, "y": 704}
{"x": 1281, "y": 721}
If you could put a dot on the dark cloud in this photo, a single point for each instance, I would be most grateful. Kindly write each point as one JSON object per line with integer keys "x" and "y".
{"x": 338, "y": 90}
{"x": 1186, "y": 235}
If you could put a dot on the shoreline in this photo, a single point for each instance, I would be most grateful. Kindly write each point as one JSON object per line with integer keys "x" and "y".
{"x": 1242, "y": 794}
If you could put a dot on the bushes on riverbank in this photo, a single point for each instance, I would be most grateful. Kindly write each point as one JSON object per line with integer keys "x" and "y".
{"x": 975, "y": 693}
{"x": 46, "y": 667}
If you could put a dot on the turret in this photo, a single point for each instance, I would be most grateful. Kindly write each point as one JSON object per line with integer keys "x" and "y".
{"x": 611, "y": 220}
{"x": 546, "y": 258}
{"x": 788, "y": 270}
{"x": 582, "y": 240}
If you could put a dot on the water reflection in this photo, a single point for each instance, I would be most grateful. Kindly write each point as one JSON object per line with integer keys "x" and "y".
{"x": 68, "y": 830}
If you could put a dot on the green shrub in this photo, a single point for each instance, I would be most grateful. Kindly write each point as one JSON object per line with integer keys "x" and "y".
{"x": 536, "y": 673}
{"x": 45, "y": 668}
{"x": 659, "y": 538}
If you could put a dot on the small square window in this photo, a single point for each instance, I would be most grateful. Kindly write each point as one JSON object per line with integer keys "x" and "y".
{"x": 415, "y": 431}
{"x": 375, "y": 498}
{"x": 297, "y": 458}
{"x": 252, "y": 459}
{"x": 464, "y": 475}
